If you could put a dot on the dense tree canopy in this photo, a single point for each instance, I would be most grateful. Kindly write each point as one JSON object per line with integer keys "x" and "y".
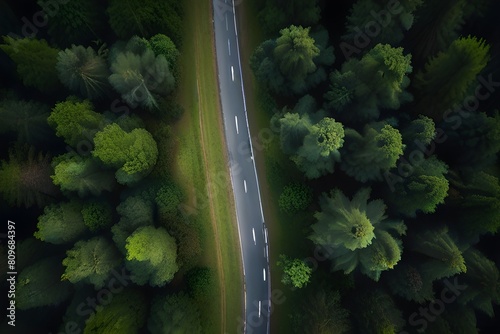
{"x": 324, "y": 314}
{"x": 163, "y": 45}
{"x": 295, "y": 197}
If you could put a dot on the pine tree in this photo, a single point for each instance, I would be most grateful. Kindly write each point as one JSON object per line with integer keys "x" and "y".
{"x": 366, "y": 157}
{"x": 91, "y": 261}
{"x": 448, "y": 75}
{"x": 83, "y": 71}
{"x": 357, "y": 233}
{"x": 377, "y": 81}
{"x": 125, "y": 314}
{"x": 25, "y": 178}
{"x": 36, "y": 62}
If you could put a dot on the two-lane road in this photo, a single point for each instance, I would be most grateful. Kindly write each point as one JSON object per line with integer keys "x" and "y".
{"x": 251, "y": 225}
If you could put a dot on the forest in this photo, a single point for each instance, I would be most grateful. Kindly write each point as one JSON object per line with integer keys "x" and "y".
{"x": 86, "y": 110}
{"x": 385, "y": 164}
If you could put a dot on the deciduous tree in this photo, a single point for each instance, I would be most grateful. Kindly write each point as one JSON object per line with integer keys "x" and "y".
{"x": 295, "y": 271}
{"x": 175, "y": 313}
{"x": 295, "y": 197}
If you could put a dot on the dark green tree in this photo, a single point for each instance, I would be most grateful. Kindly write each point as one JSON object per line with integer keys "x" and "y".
{"x": 151, "y": 256}
{"x": 40, "y": 285}
{"x": 447, "y": 76}
{"x": 377, "y": 81}
{"x": 174, "y": 314}
{"x": 138, "y": 77}
{"x": 278, "y": 14}
{"x": 168, "y": 199}
{"x": 126, "y": 314}
{"x": 75, "y": 121}
{"x": 61, "y": 223}
{"x": 377, "y": 313}
{"x": 91, "y": 261}
{"x": 85, "y": 176}
{"x": 483, "y": 282}
{"x": 128, "y": 18}
{"x": 97, "y": 215}
{"x": 325, "y": 314}
{"x": 293, "y": 129}
{"x": 25, "y": 178}
{"x": 366, "y": 15}
{"x": 36, "y": 62}
{"x": 366, "y": 157}
{"x": 75, "y": 20}
{"x": 83, "y": 71}
{"x": 200, "y": 280}
{"x": 443, "y": 256}
{"x": 295, "y": 197}
{"x": 357, "y": 233}
{"x": 27, "y": 119}
{"x": 423, "y": 190}
{"x": 133, "y": 153}
{"x": 295, "y": 271}
{"x": 410, "y": 282}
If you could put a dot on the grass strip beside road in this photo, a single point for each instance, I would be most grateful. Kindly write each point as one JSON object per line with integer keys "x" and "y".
{"x": 202, "y": 169}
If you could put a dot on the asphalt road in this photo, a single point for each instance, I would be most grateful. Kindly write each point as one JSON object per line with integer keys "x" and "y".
{"x": 251, "y": 225}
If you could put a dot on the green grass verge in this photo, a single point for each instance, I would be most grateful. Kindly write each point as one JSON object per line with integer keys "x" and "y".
{"x": 201, "y": 169}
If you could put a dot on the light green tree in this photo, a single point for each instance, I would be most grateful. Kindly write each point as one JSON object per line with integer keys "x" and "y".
{"x": 357, "y": 233}
{"x": 295, "y": 271}
{"x": 367, "y": 156}
{"x": 36, "y": 62}
{"x": 133, "y": 153}
{"x": 61, "y": 223}
{"x": 85, "y": 176}
{"x": 75, "y": 121}
{"x": 83, "y": 71}
{"x": 151, "y": 256}
{"x": 174, "y": 314}
{"x": 91, "y": 261}
{"x": 163, "y": 45}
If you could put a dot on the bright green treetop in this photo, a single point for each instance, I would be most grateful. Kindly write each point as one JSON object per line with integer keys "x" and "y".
{"x": 295, "y": 271}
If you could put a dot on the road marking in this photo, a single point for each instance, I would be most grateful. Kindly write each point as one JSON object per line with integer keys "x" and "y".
{"x": 260, "y": 304}
{"x": 245, "y": 185}
{"x": 265, "y": 234}
{"x": 236, "y": 122}
{"x": 253, "y": 233}
{"x": 264, "y": 273}
{"x": 229, "y": 46}
{"x": 232, "y": 73}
